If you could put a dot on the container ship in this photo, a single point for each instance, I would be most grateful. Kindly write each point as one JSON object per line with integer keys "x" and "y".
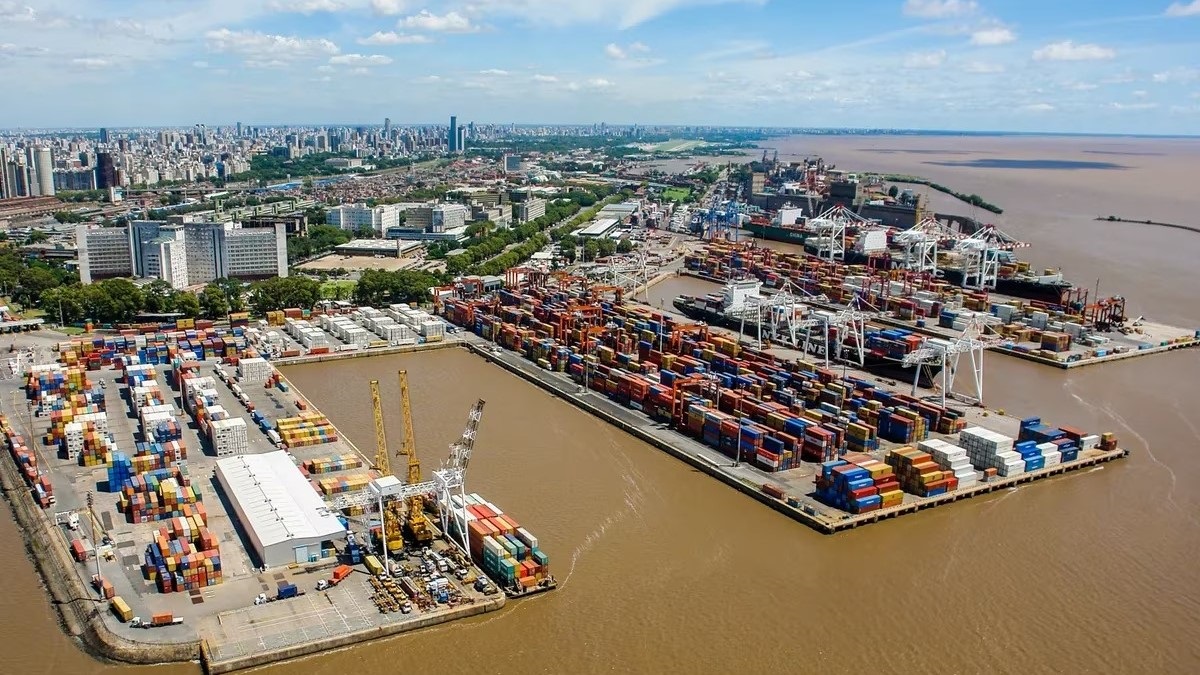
{"x": 883, "y": 354}
{"x": 504, "y": 550}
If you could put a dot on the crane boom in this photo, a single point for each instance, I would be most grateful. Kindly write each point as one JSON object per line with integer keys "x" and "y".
{"x": 410, "y": 442}
{"x": 460, "y": 452}
{"x": 382, "y": 464}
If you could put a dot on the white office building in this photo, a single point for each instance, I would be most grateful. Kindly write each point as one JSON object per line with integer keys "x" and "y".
{"x": 531, "y": 209}
{"x": 437, "y": 218}
{"x": 351, "y": 217}
{"x": 182, "y": 254}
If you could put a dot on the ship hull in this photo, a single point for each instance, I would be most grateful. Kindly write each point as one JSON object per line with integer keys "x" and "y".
{"x": 776, "y": 233}
{"x": 880, "y": 366}
{"x": 1054, "y": 294}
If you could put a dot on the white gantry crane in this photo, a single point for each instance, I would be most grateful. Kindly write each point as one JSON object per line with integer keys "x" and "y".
{"x": 830, "y": 228}
{"x": 781, "y": 314}
{"x": 629, "y": 271}
{"x": 848, "y": 323}
{"x": 947, "y": 353}
{"x": 981, "y": 264}
{"x": 447, "y": 480}
{"x": 921, "y": 244}
{"x": 451, "y": 477}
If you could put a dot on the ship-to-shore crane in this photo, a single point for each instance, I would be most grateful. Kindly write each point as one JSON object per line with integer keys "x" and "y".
{"x": 418, "y": 524}
{"x": 390, "y": 518}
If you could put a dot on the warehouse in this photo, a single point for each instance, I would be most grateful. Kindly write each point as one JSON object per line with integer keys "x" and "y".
{"x": 284, "y": 519}
{"x": 599, "y": 228}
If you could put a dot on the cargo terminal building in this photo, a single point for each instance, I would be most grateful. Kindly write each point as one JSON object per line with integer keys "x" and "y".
{"x": 283, "y": 518}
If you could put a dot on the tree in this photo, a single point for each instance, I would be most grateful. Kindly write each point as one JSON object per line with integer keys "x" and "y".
{"x": 893, "y": 191}
{"x": 591, "y": 250}
{"x": 33, "y": 282}
{"x": 234, "y": 292}
{"x": 64, "y": 302}
{"x": 282, "y": 292}
{"x": 159, "y": 297}
{"x": 67, "y": 217}
{"x": 186, "y": 303}
{"x": 214, "y": 304}
{"x": 364, "y": 232}
{"x": 624, "y": 246}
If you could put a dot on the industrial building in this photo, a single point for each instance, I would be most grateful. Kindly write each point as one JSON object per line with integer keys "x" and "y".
{"x": 283, "y": 518}
{"x": 393, "y": 248}
{"x": 182, "y": 254}
{"x": 599, "y": 228}
{"x": 433, "y": 222}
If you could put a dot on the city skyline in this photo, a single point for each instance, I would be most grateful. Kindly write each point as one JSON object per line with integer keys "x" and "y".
{"x": 902, "y": 64}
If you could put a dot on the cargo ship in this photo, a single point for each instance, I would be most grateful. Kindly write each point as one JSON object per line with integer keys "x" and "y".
{"x": 727, "y": 309}
{"x": 508, "y": 553}
{"x": 1050, "y": 288}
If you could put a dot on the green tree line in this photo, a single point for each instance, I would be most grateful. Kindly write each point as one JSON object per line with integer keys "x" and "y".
{"x": 972, "y": 199}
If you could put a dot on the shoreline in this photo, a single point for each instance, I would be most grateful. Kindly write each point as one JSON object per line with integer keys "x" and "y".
{"x": 1177, "y": 226}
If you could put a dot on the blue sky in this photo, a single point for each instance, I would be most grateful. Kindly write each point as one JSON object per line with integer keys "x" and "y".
{"x": 1118, "y": 66}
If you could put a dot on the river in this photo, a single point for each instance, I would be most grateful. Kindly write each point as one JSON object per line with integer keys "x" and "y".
{"x": 664, "y": 570}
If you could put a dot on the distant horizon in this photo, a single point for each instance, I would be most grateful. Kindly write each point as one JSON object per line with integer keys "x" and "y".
{"x": 773, "y": 131}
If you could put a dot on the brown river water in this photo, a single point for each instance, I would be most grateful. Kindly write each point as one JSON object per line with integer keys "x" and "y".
{"x": 664, "y": 570}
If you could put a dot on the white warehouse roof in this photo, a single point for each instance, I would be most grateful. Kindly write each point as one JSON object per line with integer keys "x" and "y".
{"x": 276, "y": 502}
{"x": 600, "y": 227}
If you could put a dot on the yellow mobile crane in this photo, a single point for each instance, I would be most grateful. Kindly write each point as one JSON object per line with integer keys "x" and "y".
{"x": 390, "y": 515}
{"x": 418, "y": 524}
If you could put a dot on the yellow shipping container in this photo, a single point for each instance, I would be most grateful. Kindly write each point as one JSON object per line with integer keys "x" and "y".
{"x": 121, "y": 609}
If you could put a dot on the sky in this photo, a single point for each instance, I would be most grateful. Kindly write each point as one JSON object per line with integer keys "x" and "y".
{"x": 1118, "y": 66}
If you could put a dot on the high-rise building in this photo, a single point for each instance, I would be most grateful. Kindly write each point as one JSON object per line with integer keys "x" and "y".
{"x": 41, "y": 166}
{"x": 239, "y": 129}
{"x": 351, "y": 217}
{"x": 103, "y": 135}
{"x": 512, "y": 163}
{"x": 8, "y": 175}
{"x": 181, "y": 254}
{"x": 462, "y": 140}
{"x": 452, "y": 136}
{"x": 531, "y": 209}
{"x": 387, "y": 128}
{"x": 106, "y": 171}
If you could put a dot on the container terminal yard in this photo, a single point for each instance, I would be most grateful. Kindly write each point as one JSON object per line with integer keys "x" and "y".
{"x": 833, "y": 448}
{"x": 199, "y": 507}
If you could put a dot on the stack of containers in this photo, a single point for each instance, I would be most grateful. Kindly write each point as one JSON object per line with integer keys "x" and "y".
{"x": 38, "y": 482}
{"x": 988, "y": 449}
{"x": 89, "y": 441}
{"x": 158, "y": 494}
{"x": 337, "y": 485}
{"x": 953, "y": 459}
{"x": 254, "y": 370}
{"x": 229, "y": 436}
{"x": 848, "y": 486}
{"x": 507, "y": 552}
{"x": 184, "y": 555}
{"x": 919, "y": 474}
{"x": 308, "y": 428}
{"x": 1030, "y": 454}
{"x": 331, "y": 464}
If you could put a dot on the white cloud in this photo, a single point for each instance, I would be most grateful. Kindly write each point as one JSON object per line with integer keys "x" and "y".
{"x": 91, "y": 63}
{"x": 624, "y": 13}
{"x": 544, "y": 78}
{"x": 1069, "y": 51}
{"x": 982, "y": 68}
{"x": 387, "y": 7}
{"x": 15, "y": 12}
{"x": 1184, "y": 8}
{"x": 1133, "y": 106}
{"x": 1177, "y": 75}
{"x": 200, "y": 64}
{"x": 8, "y": 50}
{"x": 494, "y": 71}
{"x": 430, "y": 78}
{"x": 266, "y": 63}
{"x": 263, "y": 48}
{"x": 573, "y": 86}
{"x": 360, "y": 60}
{"x": 1083, "y": 86}
{"x": 614, "y": 51}
{"x": 939, "y": 9}
{"x": 391, "y": 38}
{"x": 325, "y": 69}
{"x": 992, "y": 37}
{"x": 1038, "y": 107}
{"x": 932, "y": 59}
{"x": 599, "y": 83}
{"x": 450, "y": 22}
{"x": 307, "y": 6}
{"x": 1140, "y": 93}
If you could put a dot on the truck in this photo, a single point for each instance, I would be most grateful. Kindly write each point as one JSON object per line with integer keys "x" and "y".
{"x": 156, "y": 621}
{"x": 339, "y": 574}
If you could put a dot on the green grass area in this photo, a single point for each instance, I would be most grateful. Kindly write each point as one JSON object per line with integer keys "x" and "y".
{"x": 678, "y": 145}
{"x": 676, "y": 194}
{"x": 342, "y": 289}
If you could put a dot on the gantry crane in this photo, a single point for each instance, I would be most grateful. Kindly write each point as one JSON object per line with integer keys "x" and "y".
{"x": 418, "y": 524}
{"x": 390, "y": 515}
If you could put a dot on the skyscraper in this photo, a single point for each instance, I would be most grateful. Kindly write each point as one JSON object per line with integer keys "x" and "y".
{"x": 106, "y": 171}
{"x": 461, "y": 147}
{"x": 41, "y": 166}
{"x": 103, "y": 135}
{"x": 452, "y": 137}
{"x": 239, "y": 129}
{"x": 8, "y": 176}
{"x": 387, "y": 128}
